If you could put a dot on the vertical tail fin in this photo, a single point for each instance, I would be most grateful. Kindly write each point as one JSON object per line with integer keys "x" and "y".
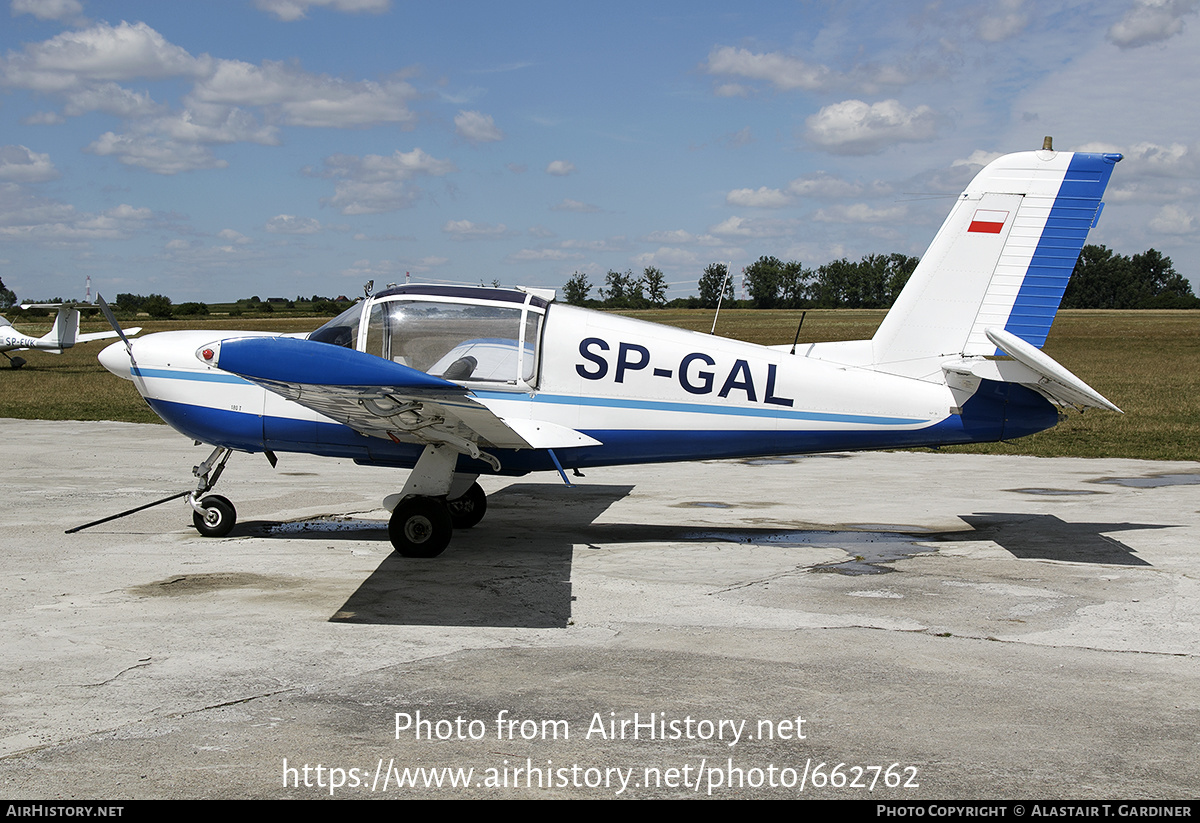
{"x": 62, "y": 333}
{"x": 1001, "y": 260}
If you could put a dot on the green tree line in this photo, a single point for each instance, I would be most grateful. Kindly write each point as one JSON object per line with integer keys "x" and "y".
{"x": 1102, "y": 279}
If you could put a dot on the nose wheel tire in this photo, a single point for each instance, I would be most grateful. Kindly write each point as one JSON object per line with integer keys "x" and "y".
{"x": 469, "y": 509}
{"x": 420, "y": 527}
{"x": 218, "y": 518}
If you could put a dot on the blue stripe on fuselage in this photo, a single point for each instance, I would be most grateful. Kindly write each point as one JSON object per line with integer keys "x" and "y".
{"x": 605, "y": 402}
{"x": 997, "y": 411}
{"x": 708, "y": 408}
{"x": 199, "y": 376}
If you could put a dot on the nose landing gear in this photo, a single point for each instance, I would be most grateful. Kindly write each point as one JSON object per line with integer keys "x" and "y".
{"x": 213, "y": 516}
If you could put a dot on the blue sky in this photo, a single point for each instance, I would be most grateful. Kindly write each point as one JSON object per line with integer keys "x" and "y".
{"x": 215, "y": 150}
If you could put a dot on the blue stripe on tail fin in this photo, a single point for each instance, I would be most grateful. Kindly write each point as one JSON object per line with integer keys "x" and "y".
{"x": 1074, "y": 212}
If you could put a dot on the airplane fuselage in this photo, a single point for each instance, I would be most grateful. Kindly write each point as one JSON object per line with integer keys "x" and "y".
{"x": 646, "y": 392}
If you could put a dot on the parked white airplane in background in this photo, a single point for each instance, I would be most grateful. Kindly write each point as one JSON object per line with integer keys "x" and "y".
{"x": 457, "y": 382}
{"x": 63, "y": 334}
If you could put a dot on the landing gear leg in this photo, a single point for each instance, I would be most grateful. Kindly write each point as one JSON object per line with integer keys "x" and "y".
{"x": 214, "y": 515}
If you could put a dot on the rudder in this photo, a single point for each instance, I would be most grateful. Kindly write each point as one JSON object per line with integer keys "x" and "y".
{"x": 1002, "y": 259}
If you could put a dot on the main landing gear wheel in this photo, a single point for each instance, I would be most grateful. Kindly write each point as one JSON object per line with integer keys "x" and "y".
{"x": 218, "y": 518}
{"x": 420, "y": 527}
{"x": 469, "y": 509}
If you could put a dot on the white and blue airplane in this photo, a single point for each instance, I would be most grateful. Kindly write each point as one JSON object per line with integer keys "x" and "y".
{"x": 456, "y": 382}
{"x": 62, "y": 335}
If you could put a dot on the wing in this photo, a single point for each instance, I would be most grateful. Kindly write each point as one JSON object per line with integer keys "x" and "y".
{"x": 379, "y": 398}
{"x": 105, "y": 335}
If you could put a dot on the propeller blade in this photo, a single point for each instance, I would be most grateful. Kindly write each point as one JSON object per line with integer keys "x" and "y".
{"x": 112, "y": 321}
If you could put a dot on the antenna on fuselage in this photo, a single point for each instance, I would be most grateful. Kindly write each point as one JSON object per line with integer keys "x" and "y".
{"x": 720, "y": 297}
{"x": 799, "y": 326}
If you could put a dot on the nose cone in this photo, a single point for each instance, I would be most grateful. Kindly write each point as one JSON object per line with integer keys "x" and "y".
{"x": 116, "y": 359}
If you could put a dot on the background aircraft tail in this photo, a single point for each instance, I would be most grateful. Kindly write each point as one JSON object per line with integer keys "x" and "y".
{"x": 1001, "y": 261}
{"x": 62, "y": 333}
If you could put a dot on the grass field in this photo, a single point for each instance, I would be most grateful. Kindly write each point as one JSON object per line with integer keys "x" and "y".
{"x": 1147, "y": 362}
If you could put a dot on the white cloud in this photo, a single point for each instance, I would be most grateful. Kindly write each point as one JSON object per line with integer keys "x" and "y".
{"x": 669, "y": 258}
{"x": 219, "y": 126}
{"x": 536, "y": 255}
{"x": 292, "y": 10}
{"x": 861, "y": 213}
{"x": 235, "y": 237}
{"x": 305, "y": 99}
{"x": 20, "y": 165}
{"x": 824, "y": 184}
{"x": 609, "y": 244}
{"x": 477, "y": 127}
{"x": 560, "y": 168}
{"x": 399, "y": 165}
{"x": 291, "y": 224}
{"x": 109, "y": 98}
{"x": 155, "y": 154}
{"x": 375, "y": 183}
{"x": 679, "y": 237}
{"x": 760, "y": 198}
{"x": 1173, "y": 219}
{"x": 358, "y": 197}
{"x": 731, "y": 90}
{"x": 1006, "y": 20}
{"x": 790, "y": 73}
{"x": 741, "y": 227}
{"x": 24, "y": 217}
{"x": 742, "y": 137}
{"x": 48, "y": 9}
{"x": 43, "y": 118}
{"x": 783, "y": 72}
{"x": 1175, "y": 159}
{"x": 856, "y": 128}
{"x": 575, "y": 206}
{"x": 977, "y": 159}
{"x": 1150, "y": 21}
{"x": 127, "y": 212}
{"x": 466, "y": 230}
{"x": 74, "y": 59}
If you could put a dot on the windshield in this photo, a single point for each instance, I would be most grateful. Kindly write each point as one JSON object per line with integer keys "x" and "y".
{"x": 341, "y": 330}
{"x": 456, "y": 341}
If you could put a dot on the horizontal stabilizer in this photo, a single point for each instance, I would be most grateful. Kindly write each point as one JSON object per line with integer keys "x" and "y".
{"x": 1029, "y": 367}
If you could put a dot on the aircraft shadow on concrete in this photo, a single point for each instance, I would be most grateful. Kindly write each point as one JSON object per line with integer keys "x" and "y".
{"x": 511, "y": 570}
{"x": 1047, "y": 537}
{"x": 514, "y": 569}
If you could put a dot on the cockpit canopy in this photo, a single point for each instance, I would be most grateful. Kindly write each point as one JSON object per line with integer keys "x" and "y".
{"x": 462, "y": 334}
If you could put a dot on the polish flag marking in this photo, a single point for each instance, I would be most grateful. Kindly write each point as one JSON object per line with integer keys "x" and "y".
{"x": 987, "y": 221}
